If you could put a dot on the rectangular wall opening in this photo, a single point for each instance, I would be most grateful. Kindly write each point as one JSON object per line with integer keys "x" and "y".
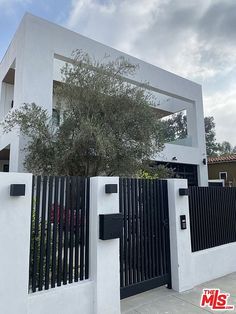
{"x": 4, "y": 159}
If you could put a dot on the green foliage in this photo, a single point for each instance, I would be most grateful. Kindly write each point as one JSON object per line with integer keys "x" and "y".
{"x": 225, "y": 148}
{"x": 35, "y": 124}
{"x": 160, "y": 172}
{"x": 108, "y": 126}
{"x": 212, "y": 147}
{"x": 175, "y": 127}
{"x": 34, "y": 247}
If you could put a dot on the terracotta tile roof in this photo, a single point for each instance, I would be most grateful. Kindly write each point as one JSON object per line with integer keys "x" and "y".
{"x": 228, "y": 158}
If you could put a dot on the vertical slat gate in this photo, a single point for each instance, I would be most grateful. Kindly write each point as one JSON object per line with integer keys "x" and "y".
{"x": 144, "y": 245}
{"x": 212, "y": 216}
{"x": 59, "y": 252}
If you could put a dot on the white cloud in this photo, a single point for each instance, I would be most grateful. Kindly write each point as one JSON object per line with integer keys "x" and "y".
{"x": 222, "y": 106}
{"x": 127, "y": 20}
{"x": 195, "y": 39}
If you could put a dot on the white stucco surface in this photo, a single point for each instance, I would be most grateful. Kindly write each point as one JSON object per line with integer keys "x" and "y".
{"x": 7, "y": 95}
{"x": 69, "y": 299}
{"x": 104, "y": 254}
{"x": 99, "y": 294}
{"x": 180, "y": 241}
{"x": 15, "y": 217}
{"x": 214, "y": 263}
{"x": 189, "y": 269}
{"x": 38, "y": 43}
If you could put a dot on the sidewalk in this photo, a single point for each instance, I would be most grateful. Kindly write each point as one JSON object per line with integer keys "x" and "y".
{"x": 163, "y": 300}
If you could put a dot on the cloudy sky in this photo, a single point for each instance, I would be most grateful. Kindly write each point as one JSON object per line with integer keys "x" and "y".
{"x": 195, "y": 39}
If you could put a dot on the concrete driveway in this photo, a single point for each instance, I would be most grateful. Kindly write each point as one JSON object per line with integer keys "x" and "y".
{"x": 163, "y": 300}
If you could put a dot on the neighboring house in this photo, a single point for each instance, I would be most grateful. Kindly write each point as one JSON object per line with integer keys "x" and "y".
{"x": 31, "y": 68}
{"x": 224, "y": 168}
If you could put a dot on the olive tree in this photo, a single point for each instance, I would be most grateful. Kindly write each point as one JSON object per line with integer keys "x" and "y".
{"x": 107, "y": 124}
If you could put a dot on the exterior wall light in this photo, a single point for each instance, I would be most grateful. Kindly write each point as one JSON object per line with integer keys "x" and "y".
{"x": 111, "y": 188}
{"x": 17, "y": 190}
{"x": 183, "y": 192}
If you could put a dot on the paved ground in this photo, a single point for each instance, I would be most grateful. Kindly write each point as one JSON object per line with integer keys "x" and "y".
{"x": 163, "y": 300}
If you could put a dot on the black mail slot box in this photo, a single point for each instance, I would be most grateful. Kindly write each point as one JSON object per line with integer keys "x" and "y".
{"x": 110, "y": 226}
{"x": 17, "y": 190}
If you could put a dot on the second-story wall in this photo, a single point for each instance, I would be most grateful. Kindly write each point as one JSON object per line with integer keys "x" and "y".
{"x": 38, "y": 43}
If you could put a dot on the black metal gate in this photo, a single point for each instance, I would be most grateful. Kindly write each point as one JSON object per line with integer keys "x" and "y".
{"x": 144, "y": 245}
{"x": 59, "y": 251}
{"x": 212, "y": 216}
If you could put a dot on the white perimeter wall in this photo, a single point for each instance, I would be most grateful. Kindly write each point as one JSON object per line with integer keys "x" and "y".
{"x": 213, "y": 263}
{"x": 98, "y": 295}
{"x": 191, "y": 269}
{"x": 15, "y": 216}
{"x": 101, "y": 293}
{"x": 72, "y": 299}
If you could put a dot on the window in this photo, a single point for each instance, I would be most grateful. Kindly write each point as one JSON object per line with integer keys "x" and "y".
{"x": 223, "y": 175}
{"x": 5, "y": 168}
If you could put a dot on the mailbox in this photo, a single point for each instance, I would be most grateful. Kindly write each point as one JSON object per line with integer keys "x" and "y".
{"x": 110, "y": 226}
{"x": 17, "y": 190}
{"x": 183, "y": 223}
{"x": 110, "y": 188}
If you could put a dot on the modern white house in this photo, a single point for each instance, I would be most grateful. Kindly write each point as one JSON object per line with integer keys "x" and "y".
{"x": 30, "y": 68}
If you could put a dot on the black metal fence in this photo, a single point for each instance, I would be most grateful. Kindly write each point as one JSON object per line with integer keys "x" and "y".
{"x": 59, "y": 251}
{"x": 144, "y": 245}
{"x": 212, "y": 216}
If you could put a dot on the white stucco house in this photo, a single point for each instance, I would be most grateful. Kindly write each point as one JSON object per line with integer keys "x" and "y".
{"x": 30, "y": 68}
